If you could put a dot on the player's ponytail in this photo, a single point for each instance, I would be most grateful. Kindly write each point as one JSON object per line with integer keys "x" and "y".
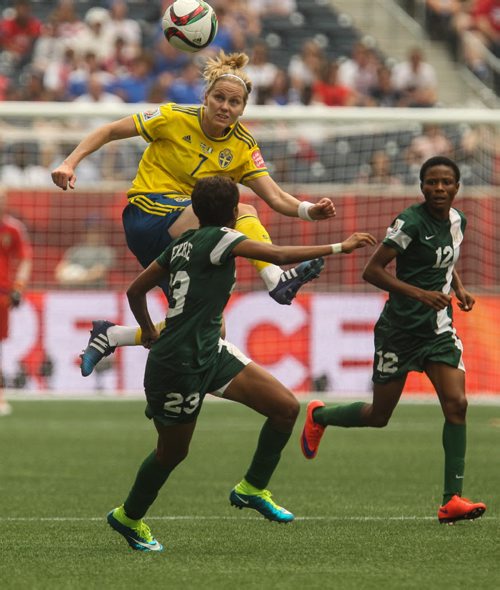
{"x": 230, "y": 66}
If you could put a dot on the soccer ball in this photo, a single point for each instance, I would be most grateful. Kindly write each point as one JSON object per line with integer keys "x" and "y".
{"x": 189, "y": 25}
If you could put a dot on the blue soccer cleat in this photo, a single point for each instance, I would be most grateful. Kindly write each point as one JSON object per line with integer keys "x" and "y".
{"x": 136, "y": 532}
{"x": 261, "y": 501}
{"x": 97, "y": 348}
{"x": 292, "y": 280}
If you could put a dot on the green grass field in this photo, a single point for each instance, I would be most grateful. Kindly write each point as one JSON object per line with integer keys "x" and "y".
{"x": 365, "y": 507}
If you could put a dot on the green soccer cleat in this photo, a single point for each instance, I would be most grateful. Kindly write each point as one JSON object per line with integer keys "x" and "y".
{"x": 259, "y": 500}
{"x": 136, "y": 532}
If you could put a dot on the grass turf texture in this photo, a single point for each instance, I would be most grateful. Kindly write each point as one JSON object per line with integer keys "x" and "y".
{"x": 365, "y": 507}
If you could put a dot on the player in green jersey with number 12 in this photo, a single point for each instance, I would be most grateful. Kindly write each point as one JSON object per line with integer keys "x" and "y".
{"x": 415, "y": 330}
{"x": 189, "y": 359}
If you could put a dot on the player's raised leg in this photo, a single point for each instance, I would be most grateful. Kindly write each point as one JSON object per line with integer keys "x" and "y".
{"x": 283, "y": 285}
{"x": 104, "y": 338}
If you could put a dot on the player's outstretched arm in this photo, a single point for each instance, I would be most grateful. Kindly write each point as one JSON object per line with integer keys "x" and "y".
{"x": 64, "y": 175}
{"x": 282, "y": 202}
{"x": 291, "y": 254}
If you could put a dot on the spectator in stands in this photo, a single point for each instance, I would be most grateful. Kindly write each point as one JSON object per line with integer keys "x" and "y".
{"x": 246, "y": 15}
{"x": 31, "y": 86}
{"x": 15, "y": 272}
{"x": 136, "y": 85}
{"x": 84, "y": 67}
{"x": 416, "y": 80}
{"x": 127, "y": 29}
{"x": 432, "y": 142}
{"x": 439, "y": 16}
{"x": 329, "y": 91}
{"x": 280, "y": 92}
{"x": 120, "y": 62}
{"x": 384, "y": 93}
{"x": 230, "y": 36}
{"x": 58, "y": 73}
{"x": 5, "y": 83}
{"x": 359, "y": 72}
{"x": 96, "y": 93}
{"x": 67, "y": 21}
{"x": 273, "y": 8}
{"x": 479, "y": 31}
{"x": 304, "y": 69}
{"x": 49, "y": 47}
{"x": 96, "y": 37}
{"x": 378, "y": 171}
{"x": 86, "y": 265}
{"x": 261, "y": 71}
{"x": 188, "y": 87}
{"x": 18, "y": 35}
{"x": 22, "y": 169}
{"x": 167, "y": 59}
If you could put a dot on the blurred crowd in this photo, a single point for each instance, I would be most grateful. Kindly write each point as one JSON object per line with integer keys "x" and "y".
{"x": 100, "y": 54}
{"x": 471, "y": 31}
{"x": 114, "y": 51}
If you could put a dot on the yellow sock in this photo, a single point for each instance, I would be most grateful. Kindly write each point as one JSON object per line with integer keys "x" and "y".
{"x": 138, "y": 333}
{"x": 253, "y": 228}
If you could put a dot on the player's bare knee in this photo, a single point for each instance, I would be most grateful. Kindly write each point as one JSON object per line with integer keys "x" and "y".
{"x": 377, "y": 420}
{"x": 289, "y": 411}
{"x": 455, "y": 410}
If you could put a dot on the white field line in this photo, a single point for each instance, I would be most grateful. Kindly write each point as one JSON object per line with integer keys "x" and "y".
{"x": 194, "y": 517}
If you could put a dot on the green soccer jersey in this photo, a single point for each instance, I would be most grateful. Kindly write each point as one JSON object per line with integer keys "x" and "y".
{"x": 202, "y": 276}
{"x": 428, "y": 249}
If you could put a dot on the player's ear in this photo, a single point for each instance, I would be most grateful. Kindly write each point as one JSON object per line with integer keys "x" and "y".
{"x": 205, "y": 99}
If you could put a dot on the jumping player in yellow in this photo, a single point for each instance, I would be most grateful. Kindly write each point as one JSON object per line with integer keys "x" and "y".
{"x": 186, "y": 144}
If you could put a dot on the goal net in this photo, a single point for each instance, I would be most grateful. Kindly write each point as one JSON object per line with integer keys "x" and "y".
{"x": 367, "y": 160}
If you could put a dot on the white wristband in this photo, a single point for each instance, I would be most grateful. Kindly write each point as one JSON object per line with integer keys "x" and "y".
{"x": 337, "y": 248}
{"x": 303, "y": 210}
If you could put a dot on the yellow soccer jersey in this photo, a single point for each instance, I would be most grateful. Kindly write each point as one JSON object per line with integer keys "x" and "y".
{"x": 179, "y": 152}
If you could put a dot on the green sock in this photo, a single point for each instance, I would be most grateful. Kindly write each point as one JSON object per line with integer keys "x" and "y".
{"x": 150, "y": 478}
{"x": 346, "y": 415}
{"x": 454, "y": 444}
{"x": 267, "y": 456}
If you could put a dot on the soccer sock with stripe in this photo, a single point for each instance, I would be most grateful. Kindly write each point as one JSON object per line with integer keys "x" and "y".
{"x": 253, "y": 228}
{"x": 346, "y": 415}
{"x": 128, "y": 335}
{"x": 454, "y": 445}
{"x": 267, "y": 456}
{"x": 148, "y": 482}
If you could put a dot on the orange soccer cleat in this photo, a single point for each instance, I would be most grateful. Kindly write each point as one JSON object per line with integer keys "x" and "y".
{"x": 460, "y": 509}
{"x": 312, "y": 432}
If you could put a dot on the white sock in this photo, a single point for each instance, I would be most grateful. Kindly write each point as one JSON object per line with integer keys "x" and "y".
{"x": 271, "y": 276}
{"x": 121, "y": 335}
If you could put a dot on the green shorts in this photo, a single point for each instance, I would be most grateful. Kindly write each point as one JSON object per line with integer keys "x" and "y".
{"x": 176, "y": 398}
{"x": 398, "y": 352}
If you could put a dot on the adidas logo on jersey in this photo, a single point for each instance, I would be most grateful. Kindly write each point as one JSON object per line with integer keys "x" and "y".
{"x": 187, "y": 138}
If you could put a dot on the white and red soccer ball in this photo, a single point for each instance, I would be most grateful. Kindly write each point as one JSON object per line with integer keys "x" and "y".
{"x": 189, "y": 25}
